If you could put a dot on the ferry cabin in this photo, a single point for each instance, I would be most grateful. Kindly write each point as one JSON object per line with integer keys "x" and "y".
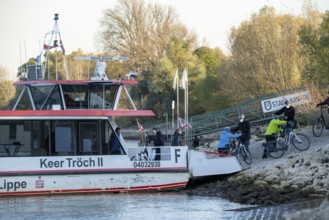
{"x": 52, "y": 118}
{"x": 60, "y": 138}
{"x": 38, "y": 127}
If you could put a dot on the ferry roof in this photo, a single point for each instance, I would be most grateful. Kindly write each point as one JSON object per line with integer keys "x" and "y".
{"x": 83, "y": 113}
{"x": 76, "y": 82}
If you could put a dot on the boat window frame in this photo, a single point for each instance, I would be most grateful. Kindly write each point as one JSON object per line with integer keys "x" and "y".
{"x": 29, "y": 95}
{"x": 73, "y": 138}
{"x": 77, "y": 89}
{"x": 52, "y": 87}
{"x": 95, "y": 88}
{"x": 58, "y": 86}
{"x": 97, "y": 138}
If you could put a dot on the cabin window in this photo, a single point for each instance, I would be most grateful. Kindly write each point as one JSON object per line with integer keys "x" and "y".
{"x": 110, "y": 92}
{"x": 12, "y": 132}
{"x": 40, "y": 94}
{"x": 4, "y": 138}
{"x": 24, "y": 103}
{"x": 75, "y": 96}
{"x": 15, "y": 138}
{"x": 58, "y": 137}
{"x": 88, "y": 133}
{"x": 102, "y": 96}
{"x": 54, "y": 100}
{"x": 64, "y": 138}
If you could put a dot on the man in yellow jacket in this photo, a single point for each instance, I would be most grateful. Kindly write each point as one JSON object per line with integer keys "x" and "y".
{"x": 272, "y": 130}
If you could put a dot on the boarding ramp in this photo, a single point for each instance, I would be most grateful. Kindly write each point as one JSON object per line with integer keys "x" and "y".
{"x": 216, "y": 121}
{"x": 212, "y": 122}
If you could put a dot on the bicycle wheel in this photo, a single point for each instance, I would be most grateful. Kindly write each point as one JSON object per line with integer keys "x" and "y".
{"x": 300, "y": 141}
{"x": 233, "y": 149}
{"x": 275, "y": 149}
{"x": 318, "y": 127}
{"x": 246, "y": 155}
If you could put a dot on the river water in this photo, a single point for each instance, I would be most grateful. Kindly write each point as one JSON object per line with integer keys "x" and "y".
{"x": 169, "y": 205}
{"x": 164, "y": 205}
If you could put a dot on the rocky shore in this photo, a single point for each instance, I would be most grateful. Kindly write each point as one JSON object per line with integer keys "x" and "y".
{"x": 296, "y": 176}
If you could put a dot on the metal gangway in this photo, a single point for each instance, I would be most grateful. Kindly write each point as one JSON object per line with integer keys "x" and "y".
{"x": 216, "y": 121}
{"x": 212, "y": 122}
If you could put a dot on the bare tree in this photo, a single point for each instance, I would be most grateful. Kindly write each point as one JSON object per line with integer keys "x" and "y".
{"x": 140, "y": 31}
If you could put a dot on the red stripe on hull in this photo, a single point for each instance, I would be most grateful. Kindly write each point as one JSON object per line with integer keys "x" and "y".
{"x": 219, "y": 154}
{"x": 91, "y": 171}
{"x": 178, "y": 185}
{"x": 75, "y": 113}
{"x": 74, "y": 82}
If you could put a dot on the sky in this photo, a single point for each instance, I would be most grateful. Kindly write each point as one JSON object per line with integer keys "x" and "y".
{"x": 23, "y": 23}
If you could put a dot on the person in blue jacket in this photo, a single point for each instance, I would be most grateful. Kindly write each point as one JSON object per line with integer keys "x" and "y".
{"x": 225, "y": 139}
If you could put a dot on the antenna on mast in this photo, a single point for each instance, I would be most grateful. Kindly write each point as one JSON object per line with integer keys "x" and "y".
{"x": 99, "y": 72}
{"x": 50, "y": 42}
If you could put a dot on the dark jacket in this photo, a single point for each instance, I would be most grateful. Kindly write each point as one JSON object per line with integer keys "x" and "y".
{"x": 114, "y": 143}
{"x": 158, "y": 140}
{"x": 289, "y": 113}
{"x": 244, "y": 128}
{"x": 176, "y": 139}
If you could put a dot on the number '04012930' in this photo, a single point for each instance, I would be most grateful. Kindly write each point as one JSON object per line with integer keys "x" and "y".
{"x": 138, "y": 164}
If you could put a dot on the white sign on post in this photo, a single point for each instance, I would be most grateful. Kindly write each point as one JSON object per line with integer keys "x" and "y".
{"x": 277, "y": 103}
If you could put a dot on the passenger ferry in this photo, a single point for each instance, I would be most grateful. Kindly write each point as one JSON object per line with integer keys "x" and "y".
{"x": 49, "y": 145}
{"x": 60, "y": 138}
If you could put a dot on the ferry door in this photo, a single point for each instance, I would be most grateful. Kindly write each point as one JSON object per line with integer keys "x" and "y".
{"x": 88, "y": 138}
{"x": 65, "y": 138}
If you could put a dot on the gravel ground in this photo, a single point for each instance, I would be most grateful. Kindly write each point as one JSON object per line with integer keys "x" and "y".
{"x": 296, "y": 176}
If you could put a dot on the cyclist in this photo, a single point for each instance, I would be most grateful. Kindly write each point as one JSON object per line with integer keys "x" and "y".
{"x": 272, "y": 130}
{"x": 289, "y": 116}
{"x": 244, "y": 128}
{"x": 225, "y": 139}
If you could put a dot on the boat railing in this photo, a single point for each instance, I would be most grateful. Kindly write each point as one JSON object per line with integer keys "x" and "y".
{"x": 149, "y": 153}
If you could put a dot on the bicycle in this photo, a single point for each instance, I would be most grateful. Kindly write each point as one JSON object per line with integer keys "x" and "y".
{"x": 319, "y": 124}
{"x": 284, "y": 141}
{"x": 239, "y": 150}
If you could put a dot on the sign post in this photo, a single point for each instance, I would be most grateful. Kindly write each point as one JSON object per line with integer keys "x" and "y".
{"x": 277, "y": 103}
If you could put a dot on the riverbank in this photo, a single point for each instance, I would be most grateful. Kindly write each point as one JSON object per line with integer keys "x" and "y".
{"x": 296, "y": 176}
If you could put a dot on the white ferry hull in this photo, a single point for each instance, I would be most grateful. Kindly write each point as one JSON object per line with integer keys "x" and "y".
{"x": 86, "y": 174}
{"x": 91, "y": 183}
{"x": 94, "y": 174}
{"x": 202, "y": 164}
